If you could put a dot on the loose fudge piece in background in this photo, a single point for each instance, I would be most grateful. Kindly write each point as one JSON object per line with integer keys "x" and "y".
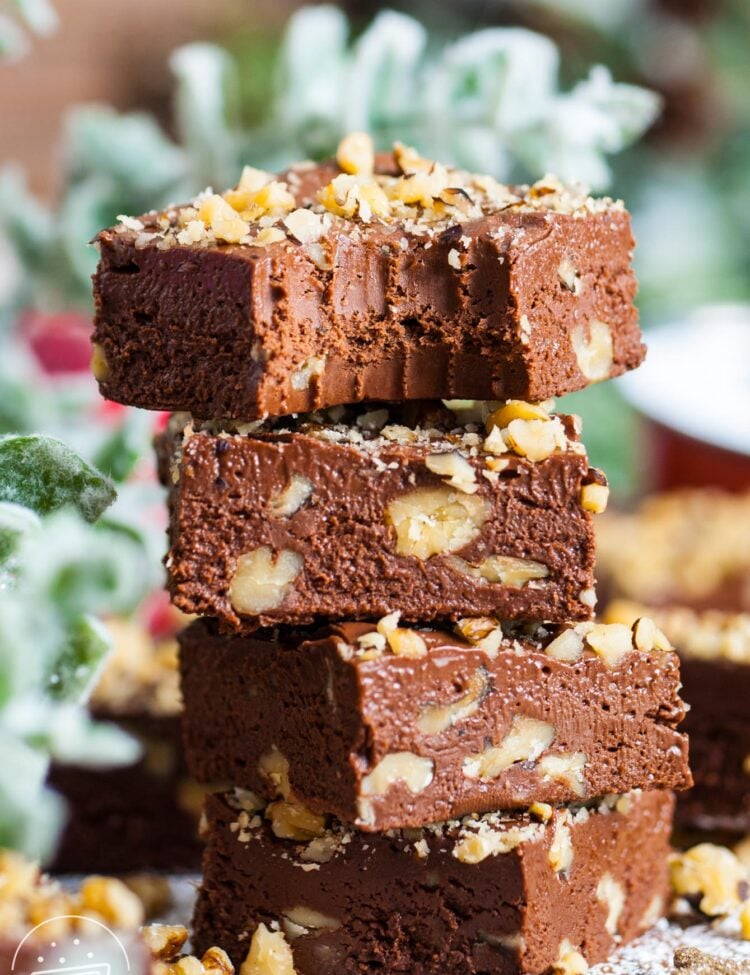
{"x": 714, "y": 648}
{"x": 142, "y": 816}
{"x": 687, "y": 548}
{"x": 306, "y": 518}
{"x": 498, "y": 893}
{"x": 415, "y": 282}
{"x": 388, "y": 726}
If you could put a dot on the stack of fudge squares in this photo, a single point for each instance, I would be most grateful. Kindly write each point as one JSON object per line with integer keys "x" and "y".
{"x": 438, "y": 762}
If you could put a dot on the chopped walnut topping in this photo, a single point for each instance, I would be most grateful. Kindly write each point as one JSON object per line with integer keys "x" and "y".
{"x": 305, "y": 225}
{"x": 594, "y": 498}
{"x": 479, "y": 839}
{"x": 483, "y": 632}
{"x": 567, "y": 646}
{"x": 403, "y": 642}
{"x": 269, "y": 954}
{"x": 456, "y": 470}
{"x": 560, "y": 853}
{"x": 356, "y": 154}
{"x": 515, "y": 409}
{"x": 111, "y": 900}
{"x": 536, "y": 439}
{"x": 293, "y": 821}
{"x": 165, "y": 941}
{"x": 712, "y": 872}
{"x": 275, "y": 767}
{"x": 611, "y": 642}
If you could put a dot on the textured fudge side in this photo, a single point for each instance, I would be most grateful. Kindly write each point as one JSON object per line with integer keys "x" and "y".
{"x": 386, "y": 741}
{"x": 715, "y": 664}
{"x": 500, "y": 893}
{"x": 684, "y": 548}
{"x": 525, "y": 299}
{"x": 323, "y": 520}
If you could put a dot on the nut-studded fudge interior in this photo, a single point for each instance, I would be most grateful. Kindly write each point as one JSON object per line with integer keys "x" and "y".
{"x": 496, "y": 893}
{"x": 389, "y": 726}
{"x": 473, "y": 510}
{"x": 394, "y": 278}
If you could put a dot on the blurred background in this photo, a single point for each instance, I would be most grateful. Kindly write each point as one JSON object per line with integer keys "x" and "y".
{"x": 119, "y": 107}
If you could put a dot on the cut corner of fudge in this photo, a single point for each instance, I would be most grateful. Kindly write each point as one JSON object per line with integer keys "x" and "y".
{"x": 387, "y": 726}
{"x": 323, "y": 287}
{"x": 439, "y": 511}
{"x": 510, "y": 893}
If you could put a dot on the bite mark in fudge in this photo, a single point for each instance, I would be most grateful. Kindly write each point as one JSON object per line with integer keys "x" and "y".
{"x": 714, "y": 649}
{"x": 325, "y": 287}
{"x": 309, "y": 518}
{"x": 348, "y": 724}
{"x": 480, "y": 894}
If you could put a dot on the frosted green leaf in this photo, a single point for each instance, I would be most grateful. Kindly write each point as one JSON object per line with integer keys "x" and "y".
{"x": 67, "y": 733}
{"x": 624, "y": 111}
{"x": 120, "y": 452}
{"x": 504, "y": 78}
{"x": 86, "y": 643}
{"x": 14, "y": 43}
{"x": 15, "y": 523}
{"x": 310, "y": 77}
{"x": 38, "y": 15}
{"x": 381, "y": 87}
{"x": 130, "y": 150}
{"x": 31, "y": 815}
{"x": 44, "y": 474}
{"x": 83, "y": 570}
{"x": 204, "y": 73}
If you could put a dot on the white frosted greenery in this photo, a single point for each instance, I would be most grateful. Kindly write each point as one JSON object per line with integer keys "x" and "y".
{"x": 490, "y": 101}
{"x": 57, "y": 573}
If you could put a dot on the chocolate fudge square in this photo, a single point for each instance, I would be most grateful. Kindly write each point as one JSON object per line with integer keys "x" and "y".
{"x": 714, "y": 648}
{"x": 501, "y": 893}
{"x": 322, "y": 287}
{"x": 305, "y": 518}
{"x": 393, "y": 727}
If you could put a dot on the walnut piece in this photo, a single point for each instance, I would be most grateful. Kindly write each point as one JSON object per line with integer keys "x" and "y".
{"x": 560, "y": 853}
{"x": 612, "y": 894}
{"x": 536, "y": 439}
{"x": 565, "y": 767}
{"x": 299, "y": 921}
{"x": 402, "y": 641}
{"x": 611, "y": 642}
{"x": 594, "y": 355}
{"x": 569, "y": 276}
{"x": 503, "y": 569}
{"x": 569, "y": 960}
{"x": 262, "y": 580}
{"x": 525, "y": 742}
{"x": 99, "y": 364}
{"x": 312, "y": 368}
{"x": 356, "y": 154}
{"x": 164, "y": 941}
{"x": 567, "y": 647}
{"x": 269, "y": 954}
{"x": 434, "y": 521}
{"x": 275, "y": 767}
{"x": 480, "y": 841}
{"x": 293, "y": 821}
{"x": 482, "y": 631}
{"x": 291, "y": 498}
{"x": 594, "y": 498}
{"x": 413, "y": 770}
{"x": 714, "y": 873}
{"x": 437, "y": 718}
{"x": 111, "y": 900}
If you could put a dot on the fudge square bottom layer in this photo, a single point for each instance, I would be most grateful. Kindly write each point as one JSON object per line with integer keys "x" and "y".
{"x": 501, "y": 893}
{"x": 418, "y": 726}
